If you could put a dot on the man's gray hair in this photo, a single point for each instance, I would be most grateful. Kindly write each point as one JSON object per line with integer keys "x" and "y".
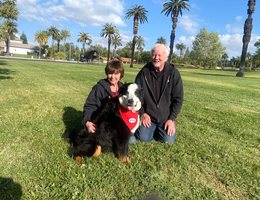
{"x": 160, "y": 46}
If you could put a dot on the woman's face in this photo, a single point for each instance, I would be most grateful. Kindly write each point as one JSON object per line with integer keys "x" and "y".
{"x": 113, "y": 78}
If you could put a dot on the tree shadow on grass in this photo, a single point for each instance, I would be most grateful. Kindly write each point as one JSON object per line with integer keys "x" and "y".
{"x": 72, "y": 121}
{"x": 4, "y": 73}
{"x": 9, "y": 189}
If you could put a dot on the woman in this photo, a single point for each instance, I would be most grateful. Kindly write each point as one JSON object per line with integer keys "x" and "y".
{"x": 102, "y": 92}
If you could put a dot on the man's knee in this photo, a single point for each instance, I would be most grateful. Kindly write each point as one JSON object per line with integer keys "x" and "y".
{"x": 168, "y": 139}
{"x": 144, "y": 134}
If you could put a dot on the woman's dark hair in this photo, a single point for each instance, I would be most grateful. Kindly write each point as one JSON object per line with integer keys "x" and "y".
{"x": 115, "y": 66}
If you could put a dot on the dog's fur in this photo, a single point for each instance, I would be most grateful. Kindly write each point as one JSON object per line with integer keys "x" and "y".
{"x": 112, "y": 134}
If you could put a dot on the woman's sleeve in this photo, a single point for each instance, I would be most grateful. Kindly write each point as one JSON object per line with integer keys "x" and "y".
{"x": 93, "y": 102}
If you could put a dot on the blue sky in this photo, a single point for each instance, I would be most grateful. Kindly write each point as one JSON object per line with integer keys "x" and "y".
{"x": 226, "y": 17}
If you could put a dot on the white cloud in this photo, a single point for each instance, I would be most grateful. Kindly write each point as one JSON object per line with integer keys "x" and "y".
{"x": 239, "y": 18}
{"x": 188, "y": 24}
{"x": 92, "y": 12}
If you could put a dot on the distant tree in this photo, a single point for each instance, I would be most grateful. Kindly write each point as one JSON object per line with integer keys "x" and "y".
{"x": 161, "y": 40}
{"x": 23, "y": 37}
{"x": 180, "y": 47}
{"x": 175, "y": 58}
{"x": 109, "y": 31}
{"x": 139, "y": 14}
{"x": 186, "y": 57}
{"x": 126, "y": 51}
{"x": 84, "y": 37}
{"x": 42, "y": 38}
{"x": 10, "y": 13}
{"x": 174, "y": 7}
{"x": 53, "y": 32}
{"x": 146, "y": 56}
{"x": 207, "y": 49}
{"x": 249, "y": 60}
{"x": 248, "y": 26}
{"x": 58, "y": 37}
{"x": 224, "y": 58}
{"x": 129, "y": 47}
{"x": 11, "y": 27}
{"x": 140, "y": 44}
{"x": 116, "y": 41}
{"x": 257, "y": 45}
{"x": 2, "y": 31}
{"x": 65, "y": 34}
{"x": 98, "y": 47}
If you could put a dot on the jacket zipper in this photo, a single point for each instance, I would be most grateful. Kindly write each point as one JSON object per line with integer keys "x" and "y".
{"x": 157, "y": 103}
{"x": 168, "y": 80}
{"x": 149, "y": 88}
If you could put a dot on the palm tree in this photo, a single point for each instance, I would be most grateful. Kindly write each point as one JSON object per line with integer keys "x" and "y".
{"x": 53, "y": 32}
{"x": 11, "y": 27}
{"x": 248, "y": 26}
{"x": 174, "y": 7}
{"x": 116, "y": 41}
{"x": 10, "y": 12}
{"x": 224, "y": 58}
{"x": 129, "y": 46}
{"x": 139, "y": 14}
{"x": 65, "y": 34}
{"x": 58, "y": 38}
{"x": 41, "y": 37}
{"x": 84, "y": 37}
{"x": 140, "y": 43}
{"x": 109, "y": 31}
{"x": 180, "y": 47}
{"x": 161, "y": 40}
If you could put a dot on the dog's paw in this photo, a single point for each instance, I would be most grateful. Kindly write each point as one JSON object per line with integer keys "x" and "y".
{"x": 124, "y": 159}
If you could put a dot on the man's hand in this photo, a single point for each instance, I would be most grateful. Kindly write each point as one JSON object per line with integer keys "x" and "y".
{"x": 170, "y": 127}
{"x": 91, "y": 127}
{"x": 146, "y": 120}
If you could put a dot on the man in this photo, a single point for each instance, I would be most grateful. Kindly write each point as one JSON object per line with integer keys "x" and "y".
{"x": 163, "y": 98}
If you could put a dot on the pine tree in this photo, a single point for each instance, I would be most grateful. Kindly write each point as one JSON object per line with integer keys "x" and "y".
{"x": 24, "y": 38}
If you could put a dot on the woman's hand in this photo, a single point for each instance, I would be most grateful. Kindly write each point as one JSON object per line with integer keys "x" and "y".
{"x": 91, "y": 127}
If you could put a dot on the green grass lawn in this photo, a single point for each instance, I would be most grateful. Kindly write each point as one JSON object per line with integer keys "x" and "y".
{"x": 216, "y": 154}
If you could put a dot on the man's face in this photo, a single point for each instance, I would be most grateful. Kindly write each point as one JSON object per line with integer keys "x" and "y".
{"x": 158, "y": 58}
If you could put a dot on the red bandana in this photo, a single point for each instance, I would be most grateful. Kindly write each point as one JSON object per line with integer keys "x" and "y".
{"x": 130, "y": 118}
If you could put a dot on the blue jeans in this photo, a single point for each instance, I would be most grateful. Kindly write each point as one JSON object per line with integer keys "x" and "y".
{"x": 155, "y": 131}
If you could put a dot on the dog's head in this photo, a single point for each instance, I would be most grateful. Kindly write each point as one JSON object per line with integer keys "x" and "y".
{"x": 130, "y": 96}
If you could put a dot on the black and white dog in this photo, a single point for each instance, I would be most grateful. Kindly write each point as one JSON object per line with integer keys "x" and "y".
{"x": 115, "y": 124}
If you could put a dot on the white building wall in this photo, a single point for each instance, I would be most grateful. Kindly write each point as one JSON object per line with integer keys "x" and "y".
{"x": 16, "y": 50}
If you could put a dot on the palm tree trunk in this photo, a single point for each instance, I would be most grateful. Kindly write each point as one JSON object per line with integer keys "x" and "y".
{"x": 133, "y": 52}
{"x": 58, "y": 46}
{"x": 114, "y": 53}
{"x": 171, "y": 45}
{"x": 52, "y": 47}
{"x": 247, "y": 36}
{"x": 138, "y": 57}
{"x": 8, "y": 45}
{"x": 83, "y": 50}
{"x": 108, "y": 48}
{"x": 174, "y": 20}
{"x": 64, "y": 45}
{"x": 40, "y": 48}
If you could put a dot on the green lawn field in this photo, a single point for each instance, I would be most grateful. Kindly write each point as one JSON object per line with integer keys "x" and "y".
{"x": 216, "y": 154}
